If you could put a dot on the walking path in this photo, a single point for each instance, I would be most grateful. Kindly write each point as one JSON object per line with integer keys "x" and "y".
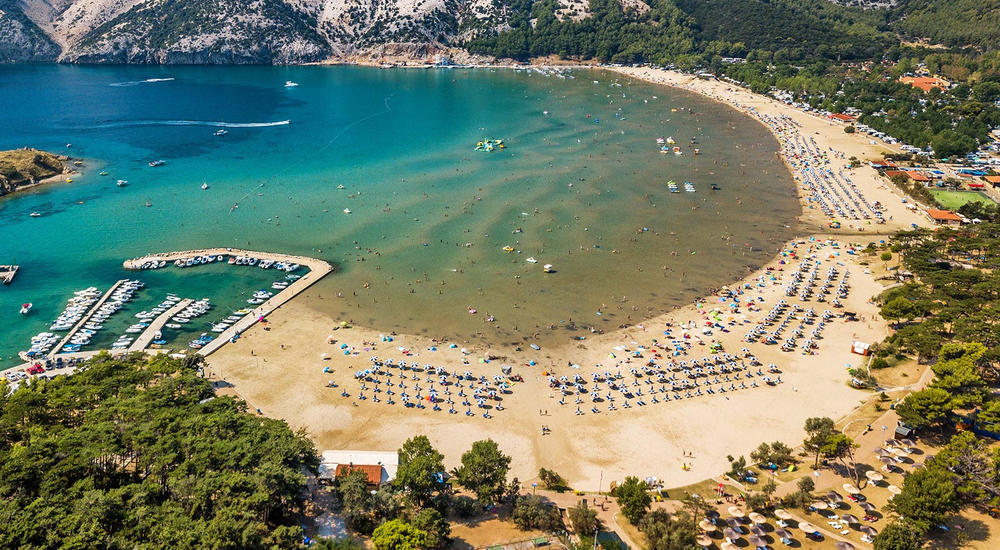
{"x": 142, "y": 342}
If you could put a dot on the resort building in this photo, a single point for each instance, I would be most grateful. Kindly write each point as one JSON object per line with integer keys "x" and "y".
{"x": 925, "y": 83}
{"x": 944, "y": 217}
{"x": 379, "y": 466}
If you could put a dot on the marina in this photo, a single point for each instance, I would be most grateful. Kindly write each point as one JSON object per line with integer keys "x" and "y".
{"x": 85, "y": 319}
{"x": 153, "y": 330}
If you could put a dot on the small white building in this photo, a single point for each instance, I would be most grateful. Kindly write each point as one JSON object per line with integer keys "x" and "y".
{"x": 380, "y": 464}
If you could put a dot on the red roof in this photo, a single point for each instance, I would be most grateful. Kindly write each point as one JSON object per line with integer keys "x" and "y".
{"x": 993, "y": 179}
{"x": 943, "y": 215}
{"x": 925, "y": 83}
{"x": 894, "y": 173}
{"x": 976, "y": 185}
{"x": 842, "y": 117}
{"x": 373, "y": 471}
{"x": 917, "y": 176}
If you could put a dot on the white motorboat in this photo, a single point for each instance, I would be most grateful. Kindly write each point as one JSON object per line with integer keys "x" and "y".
{"x": 290, "y": 84}
{"x": 204, "y": 185}
{"x": 26, "y": 307}
{"x": 121, "y": 183}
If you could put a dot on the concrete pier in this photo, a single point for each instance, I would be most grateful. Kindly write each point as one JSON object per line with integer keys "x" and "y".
{"x": 7, "y": 273}
{"x": 142, "y": 342}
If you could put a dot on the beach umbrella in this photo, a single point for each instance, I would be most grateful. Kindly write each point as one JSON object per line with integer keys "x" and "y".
{"x": 757, "y": 518}
{"x": 886, "y": 460}
{"x": 736, "y": 511}
{"x": 806, "y": 527}
{"x": 834, "y": 496}
{"x": 849, "y": 518}
{"x": 908, "y": 442}
{"x": 874, "y": 476}
{"x": 706, "y": 525}
{"x": 730, "y": 533}
{"x": 780, "y": 513}
{"x": 894, "y": 490}
{"x": 728, "y": 546}
{"x": 890, "y": 442}
{"x": 783, "y": 533}
{"x": 703, "y": 540}
{"x": 851, "y": 489}
{"x": 842, "y": 545}
{"x": 733, "y": 522}
{"x": 820, "y": 505}
{"x": 867, "y": 506}
{"x": 758, "y": 530}
{"x": 756, "y": 541}
{"x": 898, "y": 451}
{"x": 712, "y": 514}
{"x": 868, "y": 530}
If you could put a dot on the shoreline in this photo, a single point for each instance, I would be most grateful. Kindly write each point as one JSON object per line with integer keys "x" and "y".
{"x": 301, "y": 357}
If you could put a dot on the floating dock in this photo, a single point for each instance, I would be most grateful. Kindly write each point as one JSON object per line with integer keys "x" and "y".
{"x": 142, "y": 342}
{"x": 7, "y": 273}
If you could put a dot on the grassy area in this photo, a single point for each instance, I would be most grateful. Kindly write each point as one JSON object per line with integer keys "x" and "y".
{"x": 954, "y": 200}
{"x": 20, "y": 166}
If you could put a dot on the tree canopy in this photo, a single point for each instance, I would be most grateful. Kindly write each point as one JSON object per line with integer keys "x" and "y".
{"x": 140, "y": 452}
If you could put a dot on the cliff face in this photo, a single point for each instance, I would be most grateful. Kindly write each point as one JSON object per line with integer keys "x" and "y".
{"x": 26, "y": 166}
{"x": 231, "y": 31}
{"x": 20, "y": 37}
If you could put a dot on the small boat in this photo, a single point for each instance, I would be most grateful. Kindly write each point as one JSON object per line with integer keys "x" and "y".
{"x": 204, "y": 185}
{"x": 547, "y": 268}
{"x": 25, "y": 308}
{"x": 35, "y": 215}
{"x": 121, "y": 183}
{"x": 172, "y": 325}
{"x": 531, "y": 261}
{"x": 290, "y": 84}
{"x": 508, "y": 248}
{"x": 220, "y": 132}
{"x": 148, "y": 204}
{"x": 347, "y": 211}
{"x": 102, "y": 173}
{"x": 341, "y": 186}
{"x": 155, "y": 163}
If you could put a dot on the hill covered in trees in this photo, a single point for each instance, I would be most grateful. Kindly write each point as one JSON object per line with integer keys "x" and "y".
{"x": 140, "y": 453}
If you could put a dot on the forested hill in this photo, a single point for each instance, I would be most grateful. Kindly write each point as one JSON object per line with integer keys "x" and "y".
{"x": 140, "y": 453}
{"x": 960, "y": 23}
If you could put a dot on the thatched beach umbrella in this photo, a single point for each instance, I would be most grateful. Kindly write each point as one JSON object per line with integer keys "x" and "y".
{"x": 820, "y": 505}
{"x": 851, "y": 489}
{"x": 733, "y": 522}
{"x": 782, "y": 533}
{"x": 736, "y": 511}
{"x": 728, "y": 546}
{"x": 780, "y": 513}
{"x": 703, "y": 540}
{"x": 908, "y": 442}
{"x": 874, "y": 476}
{"x": 868, "y": 530}
{"x": 712, "y": 514}
{"x": 867, "y": 506}
{"x": 730, "y": 534}
{"x": 806, "y": 527}
{"x": 841, "y": 545}
{"x": 849, "y": 518}
{"x": 834, "y": 496}
{"x": 706, "y": 525}
{"x": 757, "y": 518}
{"x": 894, "y": 490}
{"x": 757, "y": 530}
{"x": 756, "y": 541}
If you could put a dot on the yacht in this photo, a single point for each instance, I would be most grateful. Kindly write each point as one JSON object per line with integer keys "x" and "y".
{"x": 121, "y": 183}
{"x": 204, "y": 185}
{"x": 220, "y": 132}
{"x": 155, "y": 163}
{"x": 35, "y": 215}
{"x": 25, "y": 308}
{"x": 290, "y": 84}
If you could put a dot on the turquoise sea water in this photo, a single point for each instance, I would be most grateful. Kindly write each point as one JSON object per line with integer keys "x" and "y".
{"x": 581, "y": 185}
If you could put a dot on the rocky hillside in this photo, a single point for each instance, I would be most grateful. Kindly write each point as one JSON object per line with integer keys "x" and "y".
{"x": 230, "y": 31}
{"x": 26, "y": 166}
{"x": 20, "y": 37}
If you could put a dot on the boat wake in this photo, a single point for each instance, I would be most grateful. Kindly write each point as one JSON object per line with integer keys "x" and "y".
{"x": 217, "y": 124}
{"x": 137, "y": 82}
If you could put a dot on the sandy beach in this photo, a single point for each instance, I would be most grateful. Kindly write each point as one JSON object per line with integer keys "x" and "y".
{"x": 302, "y": 366}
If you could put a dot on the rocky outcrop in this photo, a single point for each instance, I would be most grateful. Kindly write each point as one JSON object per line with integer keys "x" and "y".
{"x": 20, "y": 167}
